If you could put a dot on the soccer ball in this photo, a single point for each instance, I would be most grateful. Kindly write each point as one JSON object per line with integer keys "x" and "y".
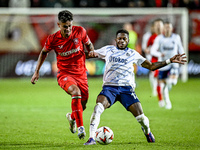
{"x": 104, "y": 135}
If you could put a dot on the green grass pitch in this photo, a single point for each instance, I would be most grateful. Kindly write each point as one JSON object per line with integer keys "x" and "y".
{"x": 33, "y": 117}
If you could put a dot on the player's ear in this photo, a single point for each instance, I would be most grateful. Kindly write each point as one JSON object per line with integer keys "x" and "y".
{"x": 116, "y": 40}
{"x": 58, "y": 23}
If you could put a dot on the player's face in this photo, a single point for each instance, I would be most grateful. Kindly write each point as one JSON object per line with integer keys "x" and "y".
{"x": 65, "y": 28}
{"x": 158, "y": 27}
{"x": 168, "y": 29}
{"x": 122, "y": 40}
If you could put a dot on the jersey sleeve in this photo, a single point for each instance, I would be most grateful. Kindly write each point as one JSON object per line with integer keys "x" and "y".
{"x": 47, "y": 45}
{"x": 180, "y": 46}
{"x": 102, "y": 52}
{"x": 139, "y": 58}
{"x": 85, "y": 38}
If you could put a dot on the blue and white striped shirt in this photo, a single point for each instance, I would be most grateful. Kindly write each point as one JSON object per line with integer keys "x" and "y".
{"x": 119, "y": 70}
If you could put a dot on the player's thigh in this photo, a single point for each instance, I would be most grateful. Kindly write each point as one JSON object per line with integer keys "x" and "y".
{"x": 83, "y": 86}
{"x": 127, "y": 99}
{"x": 68, "y": 84}
{"x": 108, "y": 95}
{"x": 130, "y": 101}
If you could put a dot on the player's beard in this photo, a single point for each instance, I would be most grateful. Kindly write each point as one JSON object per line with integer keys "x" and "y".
{"x": 66, "y": 34}
{"x": 122, "y": 48}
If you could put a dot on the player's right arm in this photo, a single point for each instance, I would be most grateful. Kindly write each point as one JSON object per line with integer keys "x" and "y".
{"x": 41, "y": 58}
{"x": 179, "y": 58}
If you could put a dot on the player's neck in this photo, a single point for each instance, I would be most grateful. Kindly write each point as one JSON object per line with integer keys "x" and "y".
{"x": 168, "y": 35}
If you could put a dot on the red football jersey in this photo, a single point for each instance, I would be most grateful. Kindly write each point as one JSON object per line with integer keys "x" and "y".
{"x": 69, "y": 51}
{"x": 150, "y": 43}
{"x": 151, "y": 40}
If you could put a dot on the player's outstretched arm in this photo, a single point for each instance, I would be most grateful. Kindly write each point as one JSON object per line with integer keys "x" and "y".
{"x": 90, "y": 48}
{"x": 41, "y": 58}
{"x": 179, "y": 58}
{"x": 92, "y": 54}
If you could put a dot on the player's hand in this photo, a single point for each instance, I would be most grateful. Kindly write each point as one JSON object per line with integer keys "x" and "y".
{"x": 35, "y": 78}
{"x": 92, "y": 54}
{"x": 179, "y": 58}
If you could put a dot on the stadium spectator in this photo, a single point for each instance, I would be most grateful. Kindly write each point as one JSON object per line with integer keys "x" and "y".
{"x": 165, "y": 46}
{"x": 158, "y": 29}
{"x": 119, "y": 84}
{"x": 72, "y": 78}
{"x": 132, "y": 35}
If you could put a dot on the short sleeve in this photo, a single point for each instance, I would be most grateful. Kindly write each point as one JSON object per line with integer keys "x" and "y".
{"x": 139, "y": 58}
{"x": 47, "y": 45}
{"x": 102, "y": 52}
{"x": 85, "y": 38}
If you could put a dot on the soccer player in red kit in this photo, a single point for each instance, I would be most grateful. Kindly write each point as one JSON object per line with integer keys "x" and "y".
{"x": 68, "y": 46}
{"x": 158, "y": 29}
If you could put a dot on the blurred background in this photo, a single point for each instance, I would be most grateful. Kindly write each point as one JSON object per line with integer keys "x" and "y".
{"x": 25, "y": 25}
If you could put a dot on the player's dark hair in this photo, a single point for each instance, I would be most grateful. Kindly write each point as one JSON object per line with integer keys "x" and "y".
{"x": 158, "y": 19}
{"x": 65, "y": 16}
{"x": 167, "y": 22}
{"x": 122, "y": 31}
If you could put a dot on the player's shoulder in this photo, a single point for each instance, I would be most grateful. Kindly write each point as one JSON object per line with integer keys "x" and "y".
{"x": 109, "y": 47}
{"x": 153, "y": 36}
{"x": 174, "y": 35}
{"x": 132, "y": 51}
{"x": 52, "y": 36}
{"x": 78, "y": 28}
{"x": 161, "y": 36}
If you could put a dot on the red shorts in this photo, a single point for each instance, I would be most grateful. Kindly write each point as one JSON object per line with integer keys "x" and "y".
{"x": 155, "y": 73}
{"x": 66, "y": 80}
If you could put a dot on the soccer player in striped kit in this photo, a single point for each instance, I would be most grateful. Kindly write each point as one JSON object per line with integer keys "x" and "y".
{"x": 165, "y": 46}
{"x": 119, "y": 84}
{"x": 68, "y": 46}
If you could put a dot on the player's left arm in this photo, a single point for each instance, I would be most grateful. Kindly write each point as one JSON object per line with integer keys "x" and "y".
{"x": 179, "y": 58}
{"x": 90, "y": 49}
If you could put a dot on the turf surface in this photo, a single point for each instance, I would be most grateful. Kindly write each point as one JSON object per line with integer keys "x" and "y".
{"x": 33, "y": 117}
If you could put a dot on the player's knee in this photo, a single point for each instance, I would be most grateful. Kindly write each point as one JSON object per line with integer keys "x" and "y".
{"x": 74, "y": 90}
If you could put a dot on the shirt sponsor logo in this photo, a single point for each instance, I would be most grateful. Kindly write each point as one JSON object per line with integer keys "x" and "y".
{"x": 117, "y": 59}
{"x": 69, "y": 52}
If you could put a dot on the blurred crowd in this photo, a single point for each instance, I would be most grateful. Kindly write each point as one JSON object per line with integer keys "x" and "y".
{"x": 190, "y": 4}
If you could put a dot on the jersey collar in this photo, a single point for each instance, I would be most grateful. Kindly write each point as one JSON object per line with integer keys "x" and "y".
{"x": 123, "y": 49}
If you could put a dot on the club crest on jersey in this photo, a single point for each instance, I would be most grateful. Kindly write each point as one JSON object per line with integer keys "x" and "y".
{"x": 65, "y": 79}
{"x": 76, "y": 41}
{"x": 127, "y": 54}
{"x": 60, "y": 46}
